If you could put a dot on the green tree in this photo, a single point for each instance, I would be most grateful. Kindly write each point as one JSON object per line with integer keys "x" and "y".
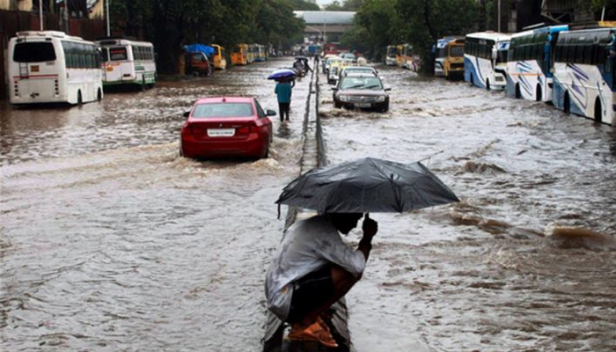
{"x": 301, "y": 5}
{"x": 376, "y": 25}
{"x": 428, "y": 20}
{"x": 171, "y": 24}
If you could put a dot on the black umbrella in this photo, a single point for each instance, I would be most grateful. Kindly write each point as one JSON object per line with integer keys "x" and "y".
{"x": 367, "y": 185}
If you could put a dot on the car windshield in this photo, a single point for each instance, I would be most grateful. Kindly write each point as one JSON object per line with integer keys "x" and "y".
{"x": 215, "y": 110}
{"x": 360, "y": 83}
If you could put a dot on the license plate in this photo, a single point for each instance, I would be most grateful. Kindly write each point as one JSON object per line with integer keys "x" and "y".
{"x": 34, "y": 69}
{"x": 221, "y": 132}
{"x": 363, "y": 105}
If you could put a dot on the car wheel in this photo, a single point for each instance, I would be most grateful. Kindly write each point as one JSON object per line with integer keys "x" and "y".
{"x": 337, "y": 105}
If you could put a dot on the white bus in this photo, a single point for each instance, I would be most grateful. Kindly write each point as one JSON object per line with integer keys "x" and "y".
{"x": 584, "y": 73}
{"x": 529, "y": 63}
{"x": 485, "y": 59}
{"x": 52, "y": 67}
{"x": 127, "y": 62}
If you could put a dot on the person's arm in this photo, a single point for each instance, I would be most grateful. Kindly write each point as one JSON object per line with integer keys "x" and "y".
{"x": 370, "y": 228}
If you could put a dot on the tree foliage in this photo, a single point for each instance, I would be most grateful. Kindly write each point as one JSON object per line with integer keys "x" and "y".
{"x": 345, "y": 5}
{"x": 171, "y": 24}
{"x": 421, "y": 23}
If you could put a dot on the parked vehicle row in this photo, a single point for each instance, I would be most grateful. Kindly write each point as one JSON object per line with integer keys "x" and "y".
{"x": 571, "y": 66}
{"x": 53, "y": 67}
{"x": 402, "y": 55}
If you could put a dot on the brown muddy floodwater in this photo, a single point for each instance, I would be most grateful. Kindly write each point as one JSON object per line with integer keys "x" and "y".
{"x": 109, "y": 241}
{"x": 525, "y": 262}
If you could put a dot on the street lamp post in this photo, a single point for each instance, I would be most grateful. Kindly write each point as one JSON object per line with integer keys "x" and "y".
{"x": 107, "y": 13}
{"x": 41, "y": 14}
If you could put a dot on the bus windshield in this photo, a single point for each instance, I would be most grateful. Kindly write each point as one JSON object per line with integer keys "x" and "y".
{"x": 34, "y": 52}
{"x": 457, "y": 51}
{"x": 501, "y": 56}
{"x": 118, "y": 54}
{"x": 391, "y": 52}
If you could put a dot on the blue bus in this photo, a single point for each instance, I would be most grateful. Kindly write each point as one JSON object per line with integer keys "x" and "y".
{"x": 584, "y": 73}
{"x": 485, "y": 59}
{"x": 529, "y": 63}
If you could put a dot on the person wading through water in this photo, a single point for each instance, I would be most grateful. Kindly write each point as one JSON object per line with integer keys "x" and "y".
{"x": 283, "y": 90}
{"x": 313, "y": 269}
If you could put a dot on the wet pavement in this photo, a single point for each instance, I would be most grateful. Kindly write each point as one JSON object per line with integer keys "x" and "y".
{"x": 109, "y": 241}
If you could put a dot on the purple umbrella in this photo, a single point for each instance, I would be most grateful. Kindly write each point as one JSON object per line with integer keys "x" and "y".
{"x": 285, "y": 73}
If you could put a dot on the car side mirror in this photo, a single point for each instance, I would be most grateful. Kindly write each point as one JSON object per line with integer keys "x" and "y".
{"x": 186, "y": 113}
{"x": 387, "y": 89}
{"x": 334, "y": 89}
{"x": 270, "y": 113}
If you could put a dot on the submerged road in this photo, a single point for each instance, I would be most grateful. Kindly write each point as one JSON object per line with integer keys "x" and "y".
{"x": 109, "y": 241}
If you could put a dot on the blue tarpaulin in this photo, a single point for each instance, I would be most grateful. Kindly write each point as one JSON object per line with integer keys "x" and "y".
{"x": 207, "y": 50}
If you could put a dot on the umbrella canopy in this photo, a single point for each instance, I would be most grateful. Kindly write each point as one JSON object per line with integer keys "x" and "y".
{"x": 282, "y": 74}
{"x": 367, "y": 185}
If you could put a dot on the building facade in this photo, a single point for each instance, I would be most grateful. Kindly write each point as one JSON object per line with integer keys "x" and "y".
{"x": 326, "y": 26}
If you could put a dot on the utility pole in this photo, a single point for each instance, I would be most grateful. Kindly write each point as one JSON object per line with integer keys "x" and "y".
{"x": 107, "y": 15}
{"x": 41, "y": 14}
{"x": 499, "y": 15}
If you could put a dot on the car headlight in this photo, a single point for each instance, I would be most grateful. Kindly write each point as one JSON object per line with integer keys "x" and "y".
{"x": 344, "y": 98}
{"x": 380, "y": 99}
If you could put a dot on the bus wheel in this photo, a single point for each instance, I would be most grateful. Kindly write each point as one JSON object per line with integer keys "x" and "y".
{"x": 567, "y": 104}
{"x": 487, "y": 84}
{"x": 99, "y": 95}
{"x": 79, "y": 98}
{"x": 518, "y": 93}
{"x": 539, "y": 95}
{"x": 598, "y": 110}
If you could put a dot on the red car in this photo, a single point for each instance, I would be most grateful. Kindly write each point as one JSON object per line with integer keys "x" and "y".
{"x": 226, "y": 126}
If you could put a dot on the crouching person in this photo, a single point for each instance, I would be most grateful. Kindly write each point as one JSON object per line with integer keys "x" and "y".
{"x": 313, "y": 269}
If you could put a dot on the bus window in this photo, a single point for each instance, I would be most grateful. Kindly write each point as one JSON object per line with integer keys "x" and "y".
{"x": 104, "y": 54}
{"x": 34, "y": 52}
{"x": 117, "y": 54}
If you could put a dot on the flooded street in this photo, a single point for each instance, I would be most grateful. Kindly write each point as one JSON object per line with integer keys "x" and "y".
{"x": 525, "y": 262}
{"x": 109, "y": 241}
{"x": 112, "y": 242}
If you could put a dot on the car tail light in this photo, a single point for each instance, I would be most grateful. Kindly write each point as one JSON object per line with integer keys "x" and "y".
{"x": 247, "y": 129}
{"x": 197, "y": 130}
